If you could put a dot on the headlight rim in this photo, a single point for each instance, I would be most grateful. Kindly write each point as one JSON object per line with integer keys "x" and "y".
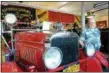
{"x": 60, "y": 60}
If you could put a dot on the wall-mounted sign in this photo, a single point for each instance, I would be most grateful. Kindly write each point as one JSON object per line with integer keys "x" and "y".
{"x": 102, "y": 24}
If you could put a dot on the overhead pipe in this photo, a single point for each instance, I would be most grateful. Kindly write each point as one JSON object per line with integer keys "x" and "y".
{"x": 100, "y": 4}
{"x": 99, "y": 10}
{"x": 97, "y": 7}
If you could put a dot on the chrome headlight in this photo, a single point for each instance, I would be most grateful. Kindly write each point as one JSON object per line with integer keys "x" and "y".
{"x": 53, "y": 58}
{"x": 10, "y": 18}
{"x": 90, "y": 50}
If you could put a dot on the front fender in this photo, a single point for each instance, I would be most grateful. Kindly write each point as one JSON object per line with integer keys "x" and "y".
{"x": 102, "y": 58}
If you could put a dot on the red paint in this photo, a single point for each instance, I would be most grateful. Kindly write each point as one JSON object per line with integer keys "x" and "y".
{"x": 90, "y": 65}
{"x": 31, "y": 53}
{"x": 102, "y": 58}
{"x": 82, "y": 55}
{"x": 61, "y": 17}
{"x": 30, "y": 47}
{"x": 10, "y": 67}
